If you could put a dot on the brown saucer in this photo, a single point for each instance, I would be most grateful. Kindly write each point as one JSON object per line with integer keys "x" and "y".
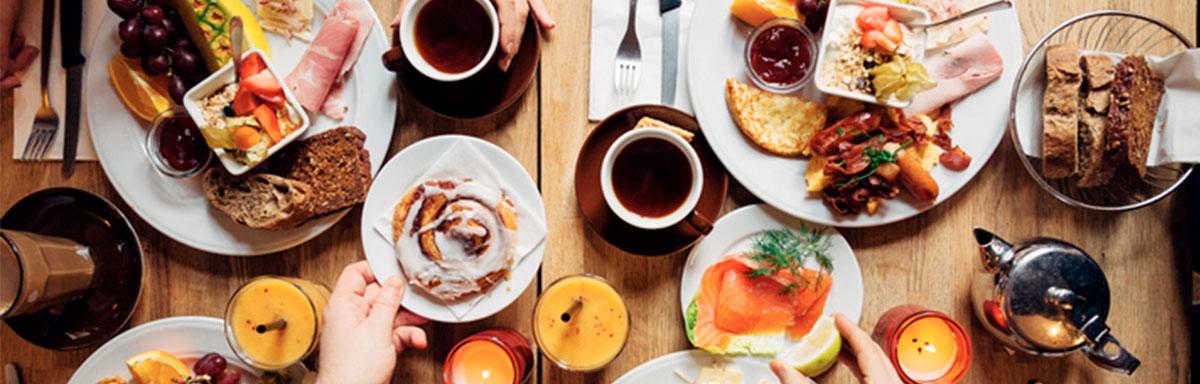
{"x": 116, "y": 285}
{"x": 488, "y": 92}
{"x": 611, "y": 228}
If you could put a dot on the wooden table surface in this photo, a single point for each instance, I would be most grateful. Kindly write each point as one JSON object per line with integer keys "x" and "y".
{"x": 927, "y": 260}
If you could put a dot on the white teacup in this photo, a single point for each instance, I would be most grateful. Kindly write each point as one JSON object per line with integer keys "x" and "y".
{"x": 687, "y": 210}
{"x": 408, "y": 42}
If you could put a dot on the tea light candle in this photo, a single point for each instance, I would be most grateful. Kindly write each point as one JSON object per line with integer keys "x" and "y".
{"x": 925, "y": 346}
{"x": 499, "y": 356}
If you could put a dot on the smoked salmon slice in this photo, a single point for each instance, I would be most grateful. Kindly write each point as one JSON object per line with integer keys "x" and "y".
{"x": 732, "y": 302}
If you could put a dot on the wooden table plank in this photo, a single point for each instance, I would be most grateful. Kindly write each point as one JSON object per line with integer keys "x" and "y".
{"x": 928, "y": 260}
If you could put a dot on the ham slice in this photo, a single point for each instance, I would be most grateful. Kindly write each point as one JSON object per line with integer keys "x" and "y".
{"x": 319, "y": 79}
{"x": 959, "y": 71}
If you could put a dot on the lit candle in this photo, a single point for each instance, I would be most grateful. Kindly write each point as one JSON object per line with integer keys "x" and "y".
{"x": 924, "y": 346}
{"x": 499, "y": 356}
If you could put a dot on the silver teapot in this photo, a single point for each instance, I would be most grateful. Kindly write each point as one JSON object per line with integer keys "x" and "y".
{"x": 1048, "y": 298}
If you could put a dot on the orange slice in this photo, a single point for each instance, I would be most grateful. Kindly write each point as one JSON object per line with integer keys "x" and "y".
{"x": 157, "y": 367}
{"x": 755, "y": 12}
{"x": 145, "y": 96}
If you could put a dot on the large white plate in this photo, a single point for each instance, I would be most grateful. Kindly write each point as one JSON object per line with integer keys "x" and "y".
{"x": 717, "y": 39}
{"x": 185, "y": 337}
{"x": 662, "y": 370}
{"x": 735, "y": 233}
{"x": 398, "y": 175}
{"x": 177, "y": 208}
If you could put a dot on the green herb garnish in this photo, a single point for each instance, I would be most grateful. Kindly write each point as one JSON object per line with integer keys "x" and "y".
{"x": 877, "y": 157}
{"x": 783, "y": 249}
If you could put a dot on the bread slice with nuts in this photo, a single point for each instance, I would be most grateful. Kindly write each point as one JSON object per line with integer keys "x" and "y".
{"x": 1060, "y": 104}
{"x": 259, "y": 200}
{"x": 779, "y": 124}
{"x": 334, "y": 163}
{"x": 1094, "y": 169}
{"x": 1136, "y": 93}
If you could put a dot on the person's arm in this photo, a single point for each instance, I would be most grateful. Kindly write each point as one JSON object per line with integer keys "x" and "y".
{"x": 15, "y": 55}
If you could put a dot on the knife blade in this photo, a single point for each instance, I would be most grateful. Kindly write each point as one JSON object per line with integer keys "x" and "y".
{"x": 669, "y": 9}
{"x": 71, "y": 14}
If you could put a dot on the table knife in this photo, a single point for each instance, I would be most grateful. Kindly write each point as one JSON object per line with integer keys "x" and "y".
{"x": 669, "y": 9}
{"x": 70, "y": 25}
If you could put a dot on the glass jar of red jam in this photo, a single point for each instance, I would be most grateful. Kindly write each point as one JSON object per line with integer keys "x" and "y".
{"x": 781, "y": 55}
{"x": 175, "y": 145}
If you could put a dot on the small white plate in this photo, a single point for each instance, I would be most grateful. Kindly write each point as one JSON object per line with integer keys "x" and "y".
{"x": 662, "y": 370}
{"x": 393, "y": 181}
{"x": 185, "y": 337}
{"x": 735, "y": 232}
{"x": 177, "y": 207}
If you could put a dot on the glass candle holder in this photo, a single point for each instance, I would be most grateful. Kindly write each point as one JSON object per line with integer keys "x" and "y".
{"x": 498, "y": 356}
{"x": 924, "y": 346}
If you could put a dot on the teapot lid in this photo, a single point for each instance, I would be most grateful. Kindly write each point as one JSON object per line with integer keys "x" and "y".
{"x": 1056, "y": 295}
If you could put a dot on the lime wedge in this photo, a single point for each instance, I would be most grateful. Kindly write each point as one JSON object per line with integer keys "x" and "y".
{"x": 816, "y": 351}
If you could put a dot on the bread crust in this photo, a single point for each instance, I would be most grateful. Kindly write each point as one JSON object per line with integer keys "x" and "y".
{"x": 1060, "y": 105}
{"x": 259, "y": 200}
{"x": 1136, "y": 93}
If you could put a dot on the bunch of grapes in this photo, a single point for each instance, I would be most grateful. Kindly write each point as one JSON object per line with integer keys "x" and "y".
{"x": 153, "y": 31}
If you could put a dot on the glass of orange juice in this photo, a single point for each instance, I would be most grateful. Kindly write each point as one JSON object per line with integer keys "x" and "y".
{"x": 273, "y": 322}
{"x": 498, "y": 356}
{"x": 581, "y": 323}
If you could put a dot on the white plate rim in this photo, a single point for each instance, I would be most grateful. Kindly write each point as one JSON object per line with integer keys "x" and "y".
{"x": 753, "y": 219}
{"x": 1007, "y": 42}
{"x": 168, "y": 324}
{"x": 397, "y": 175}
{"x": 674, "y": 360}
{"x": 378, "y": 142}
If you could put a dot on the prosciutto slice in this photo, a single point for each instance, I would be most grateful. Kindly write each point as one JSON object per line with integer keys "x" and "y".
{"x": 959, "y": 71}
{"x": 319, "y": 78}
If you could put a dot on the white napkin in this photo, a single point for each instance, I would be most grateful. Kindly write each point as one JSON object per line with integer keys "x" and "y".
{"x": 608, "y": 28}
{"x": 1176, "y": 136}
{"x": 28, "y": 97}
{"x": 463, "y": 160}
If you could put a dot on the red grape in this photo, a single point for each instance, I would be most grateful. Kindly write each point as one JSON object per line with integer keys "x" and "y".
{"x": 124, "y": 8}
{"x": 170, "y": 26}
{"x": 154, "y": 36}
{"x": 161, "y": 3}
{"x": 177, "y": 89}
{"x": 157, "y": 63}
{"x": 814, "y": 12}
{"x": 182, "y": 43}
{"x": 211, "y": 364}
{"x": 131, "y": 49}
{"x": 130, "y": 30}
{"x": 153, "y": 14}
{"x": 230, "y": 376}
{"x": 185, "y": 61}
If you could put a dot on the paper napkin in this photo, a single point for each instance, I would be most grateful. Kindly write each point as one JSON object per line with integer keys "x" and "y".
{"x": 28, "y": 97}
{"x": 1176, "y": 131}
{"x": 609, "y": 18}
{"x": 463, "y": 160}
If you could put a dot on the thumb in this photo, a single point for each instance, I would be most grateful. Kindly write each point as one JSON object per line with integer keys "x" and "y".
{"x": 387, "y": 303}
{"x": 788, "y": 375}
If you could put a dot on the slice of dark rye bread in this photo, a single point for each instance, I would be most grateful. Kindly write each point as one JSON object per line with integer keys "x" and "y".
{"x": 259, "y": 200}
{"x": 1136, "y": 93}
{"x": 1094, "y": 170}
{"x": 335, "y": 163}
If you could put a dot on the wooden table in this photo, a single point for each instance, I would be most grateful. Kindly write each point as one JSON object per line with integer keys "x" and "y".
{"x": 927, "y": 260}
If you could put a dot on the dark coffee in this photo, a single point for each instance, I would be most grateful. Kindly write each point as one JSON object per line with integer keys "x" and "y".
{"x": 453, "y": 35}
{"x": 651, "y": 177}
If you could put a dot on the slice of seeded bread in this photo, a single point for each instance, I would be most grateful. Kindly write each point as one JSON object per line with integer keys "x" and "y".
{"x": 259, "y": 200}
{"x": 1060, "y": 102}
{"x": 334, "y": 163}
{"x": 1136, "y": 92}
{"x": 1094, "y": 169}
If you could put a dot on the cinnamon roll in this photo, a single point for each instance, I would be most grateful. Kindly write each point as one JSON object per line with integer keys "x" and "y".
{"x": 455, "y": 237}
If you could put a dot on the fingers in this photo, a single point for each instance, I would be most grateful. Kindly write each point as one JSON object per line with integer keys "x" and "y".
{"x": 859, "y": 341}
{"x": 405, "y": 318}
{"x": 406, "y": 337}
{"x": 387, "y": 303}
{"x": 870, "y": 360}
{"x": 788, "y": 375}
{"x": 9, "y": 81}
{"x": 354, "y": 279}
{"x": 23, "y": 58}
{"x": 512, "y": 14}
{"x": 846, "y": 358}
{"x": 542, "y": 14}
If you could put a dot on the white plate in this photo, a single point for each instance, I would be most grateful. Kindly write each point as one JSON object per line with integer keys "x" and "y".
{"x": 735, "y": 232}
{"x": 185, "y": 337}
{"x": 717, "y": 39}
{"x": 662, "y": 370}
{"x": 397, "y": 176}
{"x": 176, "y": 207}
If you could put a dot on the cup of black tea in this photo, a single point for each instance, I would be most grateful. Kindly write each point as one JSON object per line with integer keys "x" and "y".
{"x": 651, "y": 178}
{"x": 449, "y": 40}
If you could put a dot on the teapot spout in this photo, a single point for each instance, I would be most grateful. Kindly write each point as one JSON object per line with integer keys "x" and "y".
{"x": 993, "y": 251}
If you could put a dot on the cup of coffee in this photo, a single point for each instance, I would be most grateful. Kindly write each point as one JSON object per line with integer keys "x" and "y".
{"x": 651, "y": 178}
{"x": 449, "y": 40}
{"x": 38, "y": 272}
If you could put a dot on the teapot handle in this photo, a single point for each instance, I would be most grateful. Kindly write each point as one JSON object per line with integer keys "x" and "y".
{"x": 1121, "y": 362}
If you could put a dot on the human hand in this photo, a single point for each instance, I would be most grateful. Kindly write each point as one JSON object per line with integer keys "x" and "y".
{"x": 365, "y": 329}
{"x": 865, "y": 359}
{"x": 512, "y": 15}
{"x": 15, "y": 55}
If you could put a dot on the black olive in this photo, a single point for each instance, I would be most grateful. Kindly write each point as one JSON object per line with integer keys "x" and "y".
{"x": 869, "y": 63}
{"x": 228, "y": 110}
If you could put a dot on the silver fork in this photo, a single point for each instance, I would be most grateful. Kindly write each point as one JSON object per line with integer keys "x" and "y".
{"x": 627, "y": 67}
{"x": 45, "y": 122}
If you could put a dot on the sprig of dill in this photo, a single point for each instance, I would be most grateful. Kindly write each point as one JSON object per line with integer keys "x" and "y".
{"x": 783, "y": 249}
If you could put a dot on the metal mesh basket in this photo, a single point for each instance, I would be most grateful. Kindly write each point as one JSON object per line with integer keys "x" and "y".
{"x": 1102, "y": 31}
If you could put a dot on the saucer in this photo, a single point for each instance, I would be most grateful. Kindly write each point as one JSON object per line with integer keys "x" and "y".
{"x": 605, "y": 223}
{"x": 116, "y": 285}
{"x": 487, "y": 92}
